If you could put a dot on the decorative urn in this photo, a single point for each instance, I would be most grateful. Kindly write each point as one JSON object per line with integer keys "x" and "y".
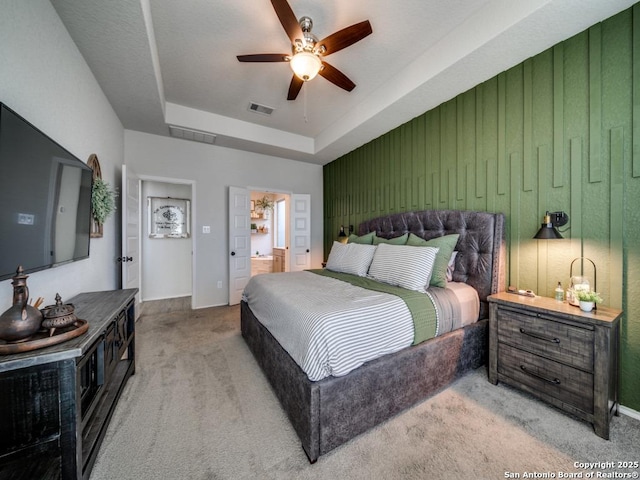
{"x": 21, "y": 321}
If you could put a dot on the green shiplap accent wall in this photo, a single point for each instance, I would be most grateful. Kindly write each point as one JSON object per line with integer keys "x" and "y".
{"x": 561, "y": 131}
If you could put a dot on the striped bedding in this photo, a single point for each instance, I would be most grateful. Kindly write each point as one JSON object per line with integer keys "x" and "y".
{"x": 330, "y": 327}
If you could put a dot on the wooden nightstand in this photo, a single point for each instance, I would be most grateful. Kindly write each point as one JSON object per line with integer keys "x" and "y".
{"x": 558, "y": 353}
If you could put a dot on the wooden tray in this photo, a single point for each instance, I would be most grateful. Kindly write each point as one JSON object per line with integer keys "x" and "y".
{"x": 42, "y": 339}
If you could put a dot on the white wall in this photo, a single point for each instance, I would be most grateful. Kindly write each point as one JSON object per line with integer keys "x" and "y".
{"x": 213, "y": 170}
{"x": 166, "y": 262}
{"x": 44, "y": 78}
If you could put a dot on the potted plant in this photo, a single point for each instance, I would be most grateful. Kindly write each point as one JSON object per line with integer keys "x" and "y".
{"x": 103, "y": 200}
{"x": 264, "y": 205}
{"x": 254, "y": 228}
{"x": 588, "y": 299}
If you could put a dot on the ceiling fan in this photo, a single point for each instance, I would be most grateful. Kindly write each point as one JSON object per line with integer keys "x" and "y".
{"x": 307, "y": 52}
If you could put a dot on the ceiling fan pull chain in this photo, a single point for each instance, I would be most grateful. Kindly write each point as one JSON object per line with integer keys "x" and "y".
{"x": 304, "y": 94}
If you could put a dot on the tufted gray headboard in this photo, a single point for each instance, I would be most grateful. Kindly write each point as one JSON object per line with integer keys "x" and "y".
{"x": 481, "y": 247}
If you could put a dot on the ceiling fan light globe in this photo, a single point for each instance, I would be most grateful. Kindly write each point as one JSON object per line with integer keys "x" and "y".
{"x": 305, "y": 65}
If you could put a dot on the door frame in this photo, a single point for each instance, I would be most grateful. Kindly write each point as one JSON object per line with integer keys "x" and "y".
{"x": 176, "y": 181}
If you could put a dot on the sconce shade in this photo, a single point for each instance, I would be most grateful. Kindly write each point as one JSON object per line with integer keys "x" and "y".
{"x": 548, "y": 230}
{"x": 305, "y": 65}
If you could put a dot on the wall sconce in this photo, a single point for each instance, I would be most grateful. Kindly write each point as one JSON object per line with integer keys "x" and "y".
{"x": 342, "y": 236}
{"x": 551, "y": 222}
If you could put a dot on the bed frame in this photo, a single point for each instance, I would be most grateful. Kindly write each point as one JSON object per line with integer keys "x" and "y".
{"x": 329, "y": 412}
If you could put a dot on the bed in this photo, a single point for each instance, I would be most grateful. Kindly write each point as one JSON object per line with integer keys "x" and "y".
{"x": 331, "y": 411}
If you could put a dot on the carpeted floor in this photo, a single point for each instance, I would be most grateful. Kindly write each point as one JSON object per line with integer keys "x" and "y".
{"x": 199, "y": 408}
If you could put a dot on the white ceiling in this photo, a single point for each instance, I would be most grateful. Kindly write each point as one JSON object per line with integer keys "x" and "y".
{"x": 168, "y": 62}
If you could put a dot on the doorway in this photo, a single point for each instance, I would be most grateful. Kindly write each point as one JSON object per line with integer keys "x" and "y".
{"x": 297, "y": 232}
{"x": 167, "y": 263}
{"x": 269, "y": 232}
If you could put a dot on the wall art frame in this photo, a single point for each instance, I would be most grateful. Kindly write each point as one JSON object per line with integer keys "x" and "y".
{"x": 169, "y": 217}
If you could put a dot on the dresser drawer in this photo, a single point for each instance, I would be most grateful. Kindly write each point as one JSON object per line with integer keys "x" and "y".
{"x": 564, "y": 383}
{"x": 554, "y": 340}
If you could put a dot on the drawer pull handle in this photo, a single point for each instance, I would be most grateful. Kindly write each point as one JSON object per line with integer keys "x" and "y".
{"x": 540, "y": 337}
{"x": 554, "y": 381}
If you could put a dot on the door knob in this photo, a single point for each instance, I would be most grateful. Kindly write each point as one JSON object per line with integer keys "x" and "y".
{"x": 233, "y": 253}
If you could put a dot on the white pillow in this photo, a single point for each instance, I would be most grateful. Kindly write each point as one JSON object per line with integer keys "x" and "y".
{"x": 353, "y": 258}
{"x": 403, "y": 265}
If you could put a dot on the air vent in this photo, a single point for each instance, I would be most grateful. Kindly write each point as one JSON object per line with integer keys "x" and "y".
{"x": 194, "y": 135}
{"x": 263, "y": 109}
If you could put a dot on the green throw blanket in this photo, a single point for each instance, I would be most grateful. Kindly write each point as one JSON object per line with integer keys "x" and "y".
{"x": 420, "y": 305}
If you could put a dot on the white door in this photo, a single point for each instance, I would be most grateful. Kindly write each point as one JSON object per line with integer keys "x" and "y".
{"x": 300, "y": 251}
{"x": 239, "y": 242}
{"x": 131, "y": 232}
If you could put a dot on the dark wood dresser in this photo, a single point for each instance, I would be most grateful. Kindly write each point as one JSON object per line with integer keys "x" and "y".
{"x": 557, "y": 353}
{"x": 56, "y": 402}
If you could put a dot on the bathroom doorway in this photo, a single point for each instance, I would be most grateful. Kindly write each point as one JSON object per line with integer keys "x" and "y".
{"x": 297, "y": 234}
{"x": 269, "y": 232}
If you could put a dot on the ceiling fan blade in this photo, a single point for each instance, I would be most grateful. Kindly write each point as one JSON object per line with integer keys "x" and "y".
{"x": 264, "y": 57}
{"x": 336, "y": 77}
{"x": 294, "y": 88}
{"x": 345, "y": 37}
{"x": 287, "y": 19}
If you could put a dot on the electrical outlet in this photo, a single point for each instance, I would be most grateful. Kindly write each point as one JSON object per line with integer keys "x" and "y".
{"x": 206, "y": 229}
{"x": 219, "y": 283}
{"x": 26, "y": 219}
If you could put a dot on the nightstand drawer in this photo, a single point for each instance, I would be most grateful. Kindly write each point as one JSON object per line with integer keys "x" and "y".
{"x": 554, "y": 340}
{"x": 564, "y": 383}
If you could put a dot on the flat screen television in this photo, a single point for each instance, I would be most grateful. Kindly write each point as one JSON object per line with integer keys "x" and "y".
{"x": 45, "y": 199}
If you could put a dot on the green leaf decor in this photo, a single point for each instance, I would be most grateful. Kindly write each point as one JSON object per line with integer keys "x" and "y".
{"x": 103, "y": 200}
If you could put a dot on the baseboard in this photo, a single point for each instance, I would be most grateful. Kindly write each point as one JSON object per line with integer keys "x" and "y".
{"x": 629, "y": 412}
{"x": 156, "y": 299}
{"x": 213, "y": 305}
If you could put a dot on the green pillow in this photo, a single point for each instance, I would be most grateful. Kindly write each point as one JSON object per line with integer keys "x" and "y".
{"x": 364, "y": 239}
{"x": 446, "y": 245}
{"x": 401, "y": 240}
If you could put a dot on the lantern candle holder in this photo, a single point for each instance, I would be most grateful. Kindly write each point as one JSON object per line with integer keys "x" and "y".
{"x": 580, "y": 282}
